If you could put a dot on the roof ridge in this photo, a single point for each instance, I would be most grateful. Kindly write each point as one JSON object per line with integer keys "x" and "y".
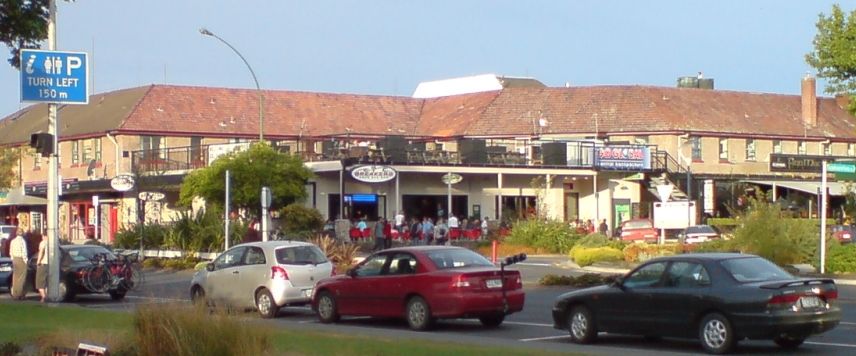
{"x": 136, "y": 106}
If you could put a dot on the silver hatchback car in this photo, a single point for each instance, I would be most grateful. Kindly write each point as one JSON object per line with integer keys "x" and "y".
{"x": 264, "y": 275}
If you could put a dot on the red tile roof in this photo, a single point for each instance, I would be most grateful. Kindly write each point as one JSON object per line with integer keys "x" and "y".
{"x": 609, "y": 110}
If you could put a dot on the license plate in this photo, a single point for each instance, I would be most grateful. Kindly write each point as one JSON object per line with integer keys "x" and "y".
{"x": 6, "y": 269}
{"x": 307, "y": 293}
{"x": 494, "y": 283}
{"x": 810, "y": 302}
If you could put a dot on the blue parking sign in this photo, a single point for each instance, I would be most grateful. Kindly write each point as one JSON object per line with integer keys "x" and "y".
{"x": 54, "y": 77}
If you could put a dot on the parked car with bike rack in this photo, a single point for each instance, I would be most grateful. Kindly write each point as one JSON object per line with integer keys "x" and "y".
{"x": 92, "y": 269}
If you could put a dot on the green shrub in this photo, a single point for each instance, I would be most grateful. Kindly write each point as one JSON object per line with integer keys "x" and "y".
{"x": 723, "y": 222}
{"x": 767, "y": 233}
{"x": 129, "y": 237}
{"x": 552, "y": 236}
{"x": 641, "y": 252}
{"x": 10, "y": 348}
{"x": 183, "y": 331}
{"x": 841, "y": 258}
{"x": 593, "y": 240}
{"x": 718, "y": 245}
{"x": 153, "y": 263}
{"x": 301, "y": 221}
{"x": 180, "y": 263}
{"x": 581, "y": 281}
{"x": 584, "y": 256}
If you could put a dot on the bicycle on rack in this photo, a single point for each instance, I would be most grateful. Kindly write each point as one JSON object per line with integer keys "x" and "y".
{"x": 114, "y": 276}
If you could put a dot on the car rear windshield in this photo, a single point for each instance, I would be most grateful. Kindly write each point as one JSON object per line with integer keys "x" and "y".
{"x": 300, "y": 255}
{"x": 457, "y": 258}
{"x": 754, "y": 269}
{"x": 88, "y": 253}
{"x": 638, "y": 224}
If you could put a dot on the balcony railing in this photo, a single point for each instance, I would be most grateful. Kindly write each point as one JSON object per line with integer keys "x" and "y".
{"x": 578, "y": 155}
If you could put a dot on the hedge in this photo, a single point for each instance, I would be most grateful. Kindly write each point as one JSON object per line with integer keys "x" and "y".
{"x": 584, "y": 256}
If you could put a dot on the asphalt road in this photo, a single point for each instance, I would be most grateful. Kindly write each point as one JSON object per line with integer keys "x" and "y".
{"x": 530, "y": 329}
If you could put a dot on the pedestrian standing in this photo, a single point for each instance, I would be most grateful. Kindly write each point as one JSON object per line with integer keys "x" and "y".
{"x": 415, "y": 232}
{"x": 484, "y": 227}
{"x": 18, "y": 252}
{"x": 42, "y": 270}
{"x": 387, "y": 234}
{"x": 427, "y": 231}
{"x": 380, "y": 241}
{"x": 603, "y": 228}
{"x": 399, "y": 222}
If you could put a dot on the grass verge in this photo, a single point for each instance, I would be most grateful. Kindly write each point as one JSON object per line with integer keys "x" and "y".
{"x": 46, "y": 326}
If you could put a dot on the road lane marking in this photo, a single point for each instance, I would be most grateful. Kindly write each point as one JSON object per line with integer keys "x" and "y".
{"x": 545, "y": 338}
{"x": 846, "y": 323}
{"x": 830, "y": 344}
{"x": 529, "y": 324}
{"x": 535, "y": 264}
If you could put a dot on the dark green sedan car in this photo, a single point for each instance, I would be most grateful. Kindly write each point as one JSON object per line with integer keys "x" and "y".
{"x": 718, "y": 298}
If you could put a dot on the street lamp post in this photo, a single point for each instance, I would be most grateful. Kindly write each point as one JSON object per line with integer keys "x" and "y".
{"x": 689, "y": 186}
{"x": 205, "y": 32}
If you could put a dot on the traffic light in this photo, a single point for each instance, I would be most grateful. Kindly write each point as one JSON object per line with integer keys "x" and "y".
{"x": 42, "y": 142}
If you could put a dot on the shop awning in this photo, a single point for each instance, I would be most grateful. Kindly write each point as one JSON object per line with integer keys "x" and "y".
{"x": 835, "y": 188}
{"x": 324, "y": 166}
{"x": 16, "y": 197}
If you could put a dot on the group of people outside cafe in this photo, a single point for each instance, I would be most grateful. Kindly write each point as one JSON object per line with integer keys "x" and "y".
{"x": 426, "y": 231}
{"x": 23, "y": 249}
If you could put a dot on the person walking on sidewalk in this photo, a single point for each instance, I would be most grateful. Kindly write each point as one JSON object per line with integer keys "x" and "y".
{"x": 18, "y": 252}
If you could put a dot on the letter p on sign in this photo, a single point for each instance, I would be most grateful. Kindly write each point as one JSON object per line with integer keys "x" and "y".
{"x": 72, "y": 62}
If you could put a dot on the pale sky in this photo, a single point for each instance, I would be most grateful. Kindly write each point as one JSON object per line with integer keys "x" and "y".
{"x": 388, "y": 47}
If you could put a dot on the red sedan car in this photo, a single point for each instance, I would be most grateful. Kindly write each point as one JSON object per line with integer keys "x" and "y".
{"x": 421, "y": 284}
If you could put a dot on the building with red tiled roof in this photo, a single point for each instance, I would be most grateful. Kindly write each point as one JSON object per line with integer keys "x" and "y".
{"x": 523, "y": 130}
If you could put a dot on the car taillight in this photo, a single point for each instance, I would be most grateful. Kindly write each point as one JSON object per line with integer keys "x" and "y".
{"x": 829, "y": 295}
{"x": 783, "y": 299}
{"x": 277, "y": 272}
{"x": 460, "y": 282}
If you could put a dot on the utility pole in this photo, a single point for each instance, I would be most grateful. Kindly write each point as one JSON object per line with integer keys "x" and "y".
{"x": 53, "y": 173}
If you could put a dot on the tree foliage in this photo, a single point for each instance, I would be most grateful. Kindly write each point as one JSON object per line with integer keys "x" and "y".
{"x": 834, "y": 54}
{"x": 23, "y": 24}
{"x": 767, "y": 232}
{"x": 250, "y": 170}
{"x": 8, "y": 160}
{"x": 301, "y": 221}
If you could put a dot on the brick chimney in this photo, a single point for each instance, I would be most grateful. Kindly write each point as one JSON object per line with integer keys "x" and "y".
{"x": 809, "y": 100}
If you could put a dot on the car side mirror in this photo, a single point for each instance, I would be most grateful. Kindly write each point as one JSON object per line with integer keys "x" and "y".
{"x": 618, "y": 283}
{"x": 209, "y": 267}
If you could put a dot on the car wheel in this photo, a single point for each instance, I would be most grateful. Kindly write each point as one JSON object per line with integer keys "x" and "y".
{"x": 716, "y": 334}
{"x": 197, "y": 296}
{"x": 117, "y": 294}
{"x": 789, "y": 343}
{"x": 492, "y": 321}
{"x": 327, "y": 310}
{"x": 265, "y": 304}
{"x": 65, "y": 294}
{"x": 581, "y": 325}
{"x": 419, "y": 314}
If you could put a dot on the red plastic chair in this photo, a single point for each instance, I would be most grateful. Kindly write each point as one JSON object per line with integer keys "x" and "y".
{"x": 473, "y": 234}
{"x": 395, "y": 234}
{"x": 366, "y": 233}
{"x": 454, "y": 233}
{"x": 405, "y": 236}
{"x": 354, "y": 234}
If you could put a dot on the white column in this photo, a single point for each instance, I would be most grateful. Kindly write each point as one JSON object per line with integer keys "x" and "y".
{"x": 499, "y": 196}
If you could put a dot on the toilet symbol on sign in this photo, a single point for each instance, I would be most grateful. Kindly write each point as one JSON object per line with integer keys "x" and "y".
{"x": 30, "y": 62}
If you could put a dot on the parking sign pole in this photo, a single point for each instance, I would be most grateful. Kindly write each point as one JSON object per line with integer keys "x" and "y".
{"x": 53, "y": 196}
{"x": 823, "y": 218}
